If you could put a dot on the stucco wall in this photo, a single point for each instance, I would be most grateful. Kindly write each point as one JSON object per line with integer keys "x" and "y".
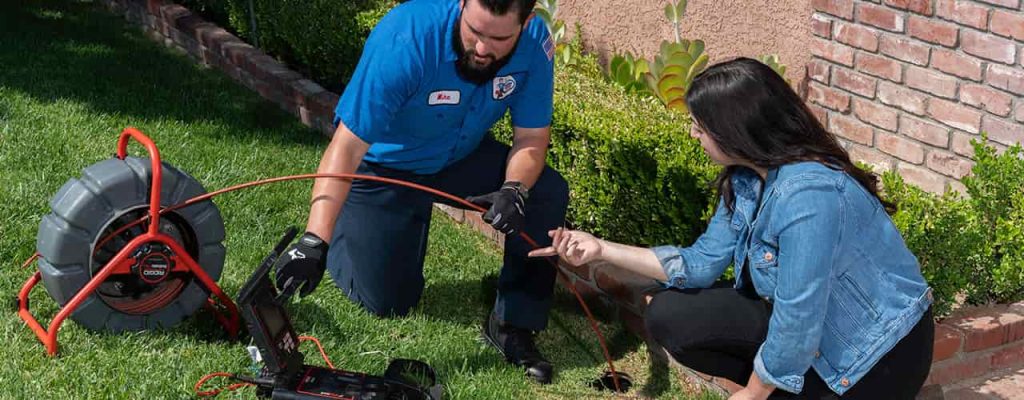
{"x": 729, "y": 27}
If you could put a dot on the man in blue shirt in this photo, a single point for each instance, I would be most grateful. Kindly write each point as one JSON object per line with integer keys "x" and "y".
{"x": 434, "y": 76}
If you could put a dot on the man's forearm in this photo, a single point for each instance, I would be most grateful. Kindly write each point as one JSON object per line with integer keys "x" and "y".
{"x": 527, "y": 157}
{"x": 342, "y": 156}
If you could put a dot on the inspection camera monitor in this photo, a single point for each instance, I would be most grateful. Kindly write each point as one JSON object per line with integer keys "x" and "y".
{"x": 270, "y": 326}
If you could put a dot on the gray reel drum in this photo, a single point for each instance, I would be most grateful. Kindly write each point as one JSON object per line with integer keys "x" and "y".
{"x": 108, "y": 196}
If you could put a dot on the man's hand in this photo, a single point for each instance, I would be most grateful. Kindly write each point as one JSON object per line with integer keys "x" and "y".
{"x": 506, "y": 208}
{"x": 301, "y": 266}
{"x": 575, "y": 247}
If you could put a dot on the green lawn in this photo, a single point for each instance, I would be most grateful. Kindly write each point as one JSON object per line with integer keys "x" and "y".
{"x": 72, "y": 77}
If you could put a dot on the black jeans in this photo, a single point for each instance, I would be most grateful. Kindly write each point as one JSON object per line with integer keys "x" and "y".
{"x": 718, "y": 331}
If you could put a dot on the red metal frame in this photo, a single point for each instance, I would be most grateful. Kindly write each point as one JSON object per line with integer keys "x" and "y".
{"x": 122, "y": 262}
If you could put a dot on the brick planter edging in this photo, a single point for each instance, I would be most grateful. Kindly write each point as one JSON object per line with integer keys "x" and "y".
{"x": 212, "y": 46}
{"x": 966, "y": 346}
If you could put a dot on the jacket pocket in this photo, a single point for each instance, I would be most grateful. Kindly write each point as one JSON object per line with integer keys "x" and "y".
{"x": 859, "y": 296}
{"x": 765, "y": 260}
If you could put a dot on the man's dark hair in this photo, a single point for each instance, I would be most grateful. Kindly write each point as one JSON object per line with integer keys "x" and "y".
{"x": 501, "y": 7}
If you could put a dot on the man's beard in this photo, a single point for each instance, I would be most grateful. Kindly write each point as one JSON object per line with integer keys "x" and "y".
{"x": 464, "y": 66}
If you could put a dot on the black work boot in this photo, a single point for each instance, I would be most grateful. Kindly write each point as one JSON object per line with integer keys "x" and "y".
{"x": 518, "y": 347}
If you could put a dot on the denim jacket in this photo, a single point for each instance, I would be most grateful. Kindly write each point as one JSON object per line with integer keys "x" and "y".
{"x": 843, "y": 285}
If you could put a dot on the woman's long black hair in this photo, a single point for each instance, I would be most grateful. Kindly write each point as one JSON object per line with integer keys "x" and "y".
{"x": 754, "y": 115}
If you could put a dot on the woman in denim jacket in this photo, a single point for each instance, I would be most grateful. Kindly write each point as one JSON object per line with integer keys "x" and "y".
{"x": 827, "y": 302}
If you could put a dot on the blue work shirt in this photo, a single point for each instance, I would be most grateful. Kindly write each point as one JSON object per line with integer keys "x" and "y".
{"x": 406, "y": 100}
{"x": 843, "y": 284}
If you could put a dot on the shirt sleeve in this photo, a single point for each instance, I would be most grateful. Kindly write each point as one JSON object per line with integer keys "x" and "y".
{"x": 699, "y": 265}
{"x": 386, "y": 76}
{"x": 534, "y": 105}
{"x": 812, "y": 214}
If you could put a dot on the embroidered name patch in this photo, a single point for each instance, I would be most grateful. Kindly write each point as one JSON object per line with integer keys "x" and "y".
{"x": 504, "y": 86}
{"x": 444, "y": 97}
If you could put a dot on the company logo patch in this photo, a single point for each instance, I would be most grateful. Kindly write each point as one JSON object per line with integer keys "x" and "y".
{"x": 444, "y": 97}
{"x": 504, "y": 86}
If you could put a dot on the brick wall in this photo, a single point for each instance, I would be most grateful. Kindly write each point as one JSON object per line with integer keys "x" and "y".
{"x": 908, "y": 83}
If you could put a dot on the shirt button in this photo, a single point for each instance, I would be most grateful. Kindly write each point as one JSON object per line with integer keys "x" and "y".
{"x": 844, "y": 382}
{"x": 768, "y": 256}
{"x": 678, "y": 281}
{"x": 817, "y": 354}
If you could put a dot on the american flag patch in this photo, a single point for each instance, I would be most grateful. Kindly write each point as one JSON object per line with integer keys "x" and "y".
{"x": 549, "y": 48}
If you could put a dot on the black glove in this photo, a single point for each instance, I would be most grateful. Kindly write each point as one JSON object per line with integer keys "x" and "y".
{"x": 302, "y": 265}
{"x": 505, "y": 208}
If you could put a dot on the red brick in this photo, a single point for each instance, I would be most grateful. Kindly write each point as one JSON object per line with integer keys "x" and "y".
{"x": 947, "y": 342}
{"x": 839, "y": 8}
{"x": 582, "y": 271}
{"x": 832, "y": 51}
{"x": 948, "y": 164}
{"x": 881, "y": 67}
{"x": 906, "y": 99}
{"x": 1008, "y": 24}
{"x": 985, "y": 328}
{"x": 903, "y": 49}
{"x": 851, "y": 129}
{"x": 624, "y": 286}
{"x": 1002, "y": 131}
{"x": 1007, "y": 78}
{"x": 923, "y": 131}
{"x": 1020, "y": 111}
{"x": 923, "y": 7}
{"x": 932, "y": 31}
{"x": 989, "y": 47}
{"x": 959, "y": 369}
{"x": 856, "y": 36}
{"x": 821, "y": 26}
{"x": 587, "y": 291}
{"x": 880, "y": 17}
{"x": 935, "y": 83}
{"x": 729, "y": 386}
{"x": 828, "y": 97}
{"x": 956, "y": 63}
{"x": 955, "y": 115}
{"x": 899, "y": 147}
{"x": 960, "y": 143}
{"x": 993, "y": 101}
{"x": 879, "y": 162}
{"x": 964, "y": 13}
{"x": 1004, "y": 3}
{"x": 818, "y": 70}
{"x": 820, "y": 113}
{"x": 875, "y": 114}
{"x": 922, "y": 178}
{"x": 857, "y": 83}
{"x": 1010, "y": 356}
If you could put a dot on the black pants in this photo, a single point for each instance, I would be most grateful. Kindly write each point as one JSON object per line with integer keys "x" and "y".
{"x": 380, "y": 239}
{"x": 718, "y": 331}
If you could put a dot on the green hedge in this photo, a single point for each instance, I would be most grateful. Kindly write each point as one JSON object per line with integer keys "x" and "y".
{"x": 969, "y": 246}
{"x": 634, "y": 173}
{"x": 318, "y": 38}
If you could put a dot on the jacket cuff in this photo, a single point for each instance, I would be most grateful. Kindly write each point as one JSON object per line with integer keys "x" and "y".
{"x": 672, "y": 263}
{"x": 790, "y": 383}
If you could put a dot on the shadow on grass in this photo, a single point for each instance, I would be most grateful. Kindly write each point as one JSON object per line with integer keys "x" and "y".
{"x": 50, "y": 52}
